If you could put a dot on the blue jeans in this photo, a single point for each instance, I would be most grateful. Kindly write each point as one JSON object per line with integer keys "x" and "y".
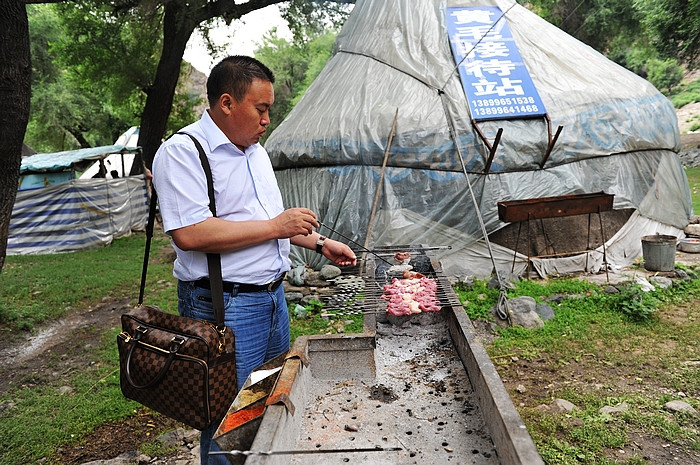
{"x": 260, "y": 324}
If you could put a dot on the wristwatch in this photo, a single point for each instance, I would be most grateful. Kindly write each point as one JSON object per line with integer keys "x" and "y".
{"x": 319, "y": 244}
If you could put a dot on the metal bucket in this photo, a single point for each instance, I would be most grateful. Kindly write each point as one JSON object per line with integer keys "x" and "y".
{"x": 659, "y": 252}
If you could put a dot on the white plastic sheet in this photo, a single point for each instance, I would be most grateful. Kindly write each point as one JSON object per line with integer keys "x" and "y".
{"x": 620, "y": 135}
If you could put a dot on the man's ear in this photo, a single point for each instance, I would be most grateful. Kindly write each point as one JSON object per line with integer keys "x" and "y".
{"x": 226, "y": 103}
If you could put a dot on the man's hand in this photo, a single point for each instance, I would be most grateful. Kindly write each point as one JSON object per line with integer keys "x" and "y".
{"x": 295, "y": 221}
{"x": 339, "y": 253}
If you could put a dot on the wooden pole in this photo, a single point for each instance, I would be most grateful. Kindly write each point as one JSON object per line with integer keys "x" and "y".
{"x": 379, "y": 186}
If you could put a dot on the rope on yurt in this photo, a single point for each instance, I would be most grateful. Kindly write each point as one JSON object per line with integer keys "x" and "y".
{"x": 503, "y": 309}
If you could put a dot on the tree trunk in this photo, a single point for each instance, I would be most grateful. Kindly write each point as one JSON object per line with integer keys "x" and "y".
{"x": 15, "y": 93}
{"x": 177, "y": 29}
{"x": 179, "y": 22}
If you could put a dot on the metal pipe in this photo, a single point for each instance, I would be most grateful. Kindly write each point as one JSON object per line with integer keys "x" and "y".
{"x": 304, "y": 451}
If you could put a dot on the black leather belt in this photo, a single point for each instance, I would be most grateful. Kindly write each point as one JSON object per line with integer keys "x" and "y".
{"x": 242, "y": 287}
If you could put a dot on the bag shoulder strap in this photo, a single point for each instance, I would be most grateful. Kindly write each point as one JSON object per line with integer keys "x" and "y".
{"x": 213, "y": 259}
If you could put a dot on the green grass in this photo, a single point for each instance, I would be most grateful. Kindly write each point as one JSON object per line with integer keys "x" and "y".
{"x": 588, "y": 322}
{"x": 686, "y": 93}
{"x": 42, "y": 419}
{"x": 35, "y": 288}
{"x": 39, "y": 288}
{"x": 597, "y": 352}
{"x": 693, "y": 175}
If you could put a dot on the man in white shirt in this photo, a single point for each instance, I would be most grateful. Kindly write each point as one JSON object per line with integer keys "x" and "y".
{"x": 252, "y": 231}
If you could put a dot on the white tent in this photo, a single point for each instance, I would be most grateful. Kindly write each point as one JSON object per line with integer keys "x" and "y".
{"x": 393, "y": 58}
{"x": 116, "y": 165}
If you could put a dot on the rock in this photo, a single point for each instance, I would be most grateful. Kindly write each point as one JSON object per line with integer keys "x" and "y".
{"x": 65, "y": 390}
{"x": 507, "y": 279}
{"x": 646, "y": 285}
{"x": 680, "y": 406}
{"x": 300, "y": 312}
{"x": 685, "y": 275}
{"x": 314, "y": 279}
{"x": 692, "y": 230}
{"x": 7, "y": 406}
{"x": 326, "y": 292}
{"x": 611, "y": 290}
{"x": 661, "y": 282}
{"x": 297, "y": 275}
{"x": 522, "y": 313}
{"x": 523, "y": 304}
{"x": 521, "y": 389}
{"x": 543, "y": 408}
{"x": 127, "y": 457}
{"x": 544, "y": 311}
{"x": 293, "y": 297}
{"x": 466, "y": 281}
{"x": 682, "y": 275}
{"x": 329, "y": 272}
{"x": 529, "y": 320}
{"x": 288, "y": 287}
{"x": 173, "y": 438}
{"x": 562, "y": 406}
{"x": 622, "y": 407}
{"x": 306, "y": 300}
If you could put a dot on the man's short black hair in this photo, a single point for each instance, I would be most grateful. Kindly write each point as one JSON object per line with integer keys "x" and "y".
{"x": 234, "y": 75}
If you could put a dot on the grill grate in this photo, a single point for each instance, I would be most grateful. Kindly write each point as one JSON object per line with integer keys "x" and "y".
{"x": 422, "y": 261}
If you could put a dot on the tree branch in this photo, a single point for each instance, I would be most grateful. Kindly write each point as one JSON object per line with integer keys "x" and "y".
{"x": 230, "y": 10}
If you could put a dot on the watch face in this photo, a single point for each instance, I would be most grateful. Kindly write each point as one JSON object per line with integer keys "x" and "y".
{"x": 319, "y": 243}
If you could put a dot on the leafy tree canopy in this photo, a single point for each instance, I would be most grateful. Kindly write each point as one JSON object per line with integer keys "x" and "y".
{"x": 91, "y": 73}
{"x": 652, "y": 38}
{"x": 296, "y": 65}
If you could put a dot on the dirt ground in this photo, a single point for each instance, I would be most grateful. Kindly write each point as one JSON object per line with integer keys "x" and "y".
{"x": 67, "y": 345}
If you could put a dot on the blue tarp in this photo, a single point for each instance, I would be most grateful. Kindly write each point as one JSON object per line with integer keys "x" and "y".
{"x": 78, "y": 214}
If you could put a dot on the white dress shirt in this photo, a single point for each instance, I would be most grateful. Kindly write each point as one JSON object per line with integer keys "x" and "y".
{"x": 245, "y": 189}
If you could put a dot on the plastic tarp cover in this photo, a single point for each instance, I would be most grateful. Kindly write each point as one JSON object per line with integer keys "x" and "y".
{"x": 59, "y": 161}
{"x": 76, "y": 215}
{"x": 619, "y": 135}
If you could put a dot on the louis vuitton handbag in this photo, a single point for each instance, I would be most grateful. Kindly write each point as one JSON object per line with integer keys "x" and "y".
{"x": 181, "y": 367}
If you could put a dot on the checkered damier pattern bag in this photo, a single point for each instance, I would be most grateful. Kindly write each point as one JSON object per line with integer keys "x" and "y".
{"x": 181, "y": 367}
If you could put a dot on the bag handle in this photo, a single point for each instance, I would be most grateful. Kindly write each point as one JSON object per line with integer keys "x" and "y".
{"x": 213, "y": 259}
{"x": 175, "y": 344}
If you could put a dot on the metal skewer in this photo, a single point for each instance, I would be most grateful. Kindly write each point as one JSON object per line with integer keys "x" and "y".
{"x": 304, "y": 451}
{"x": 357, "y": 244}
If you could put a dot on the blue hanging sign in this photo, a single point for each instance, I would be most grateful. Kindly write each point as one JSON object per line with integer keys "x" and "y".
{"x": 495, "y": 79}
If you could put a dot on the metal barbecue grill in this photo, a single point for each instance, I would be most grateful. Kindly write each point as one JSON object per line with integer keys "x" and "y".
{"x": 410, "y": 389}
